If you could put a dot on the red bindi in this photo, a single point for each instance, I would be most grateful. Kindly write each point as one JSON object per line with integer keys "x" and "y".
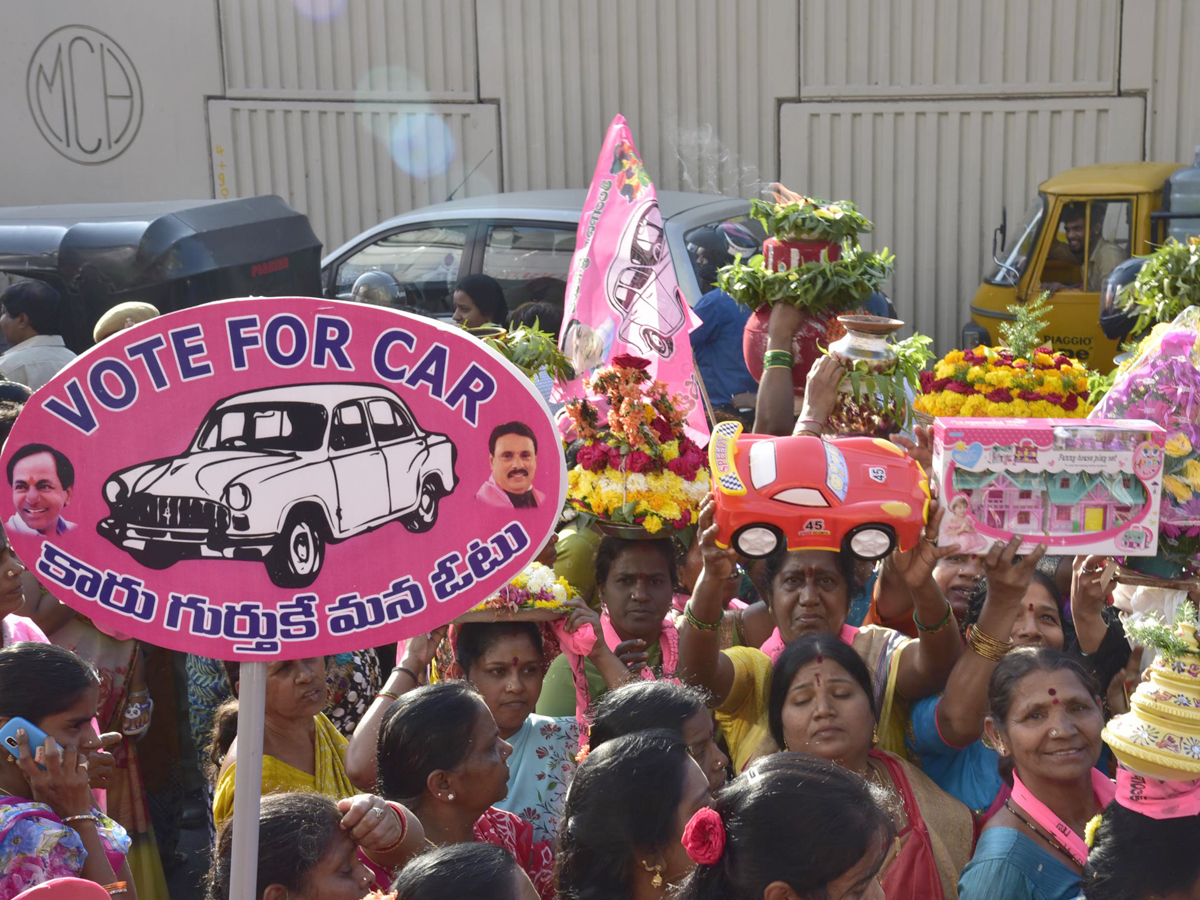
{"x": 1052, "y": 693}
{"x": 516, "y": 662}
{"x": 820, "y": 658}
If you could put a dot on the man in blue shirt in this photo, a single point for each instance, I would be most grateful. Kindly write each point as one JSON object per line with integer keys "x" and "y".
{"x": 717, "y": 344}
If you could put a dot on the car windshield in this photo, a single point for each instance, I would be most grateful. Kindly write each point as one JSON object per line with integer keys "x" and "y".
{"x": 1010, "y": 265}
{"x": 264, "y": 426}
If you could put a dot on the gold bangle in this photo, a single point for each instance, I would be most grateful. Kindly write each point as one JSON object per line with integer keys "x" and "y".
{"x": 84, "y": 817}
{"x": 987, "y": 646}
{"x": 117, "y": 887}
{"x": 699, "y": 624}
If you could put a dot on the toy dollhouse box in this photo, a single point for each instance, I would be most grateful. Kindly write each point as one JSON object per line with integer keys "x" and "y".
{"x": 1080, "y": 486}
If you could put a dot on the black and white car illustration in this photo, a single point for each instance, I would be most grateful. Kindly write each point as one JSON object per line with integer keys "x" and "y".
{"x": 633, "y": 288}
{"x": 277, "y": 474}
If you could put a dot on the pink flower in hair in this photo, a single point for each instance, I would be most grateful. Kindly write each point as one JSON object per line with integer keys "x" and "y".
{"x": 704, "y": 837}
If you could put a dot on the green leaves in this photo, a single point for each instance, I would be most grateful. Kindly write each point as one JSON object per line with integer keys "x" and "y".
{"x": 884, "y": 392}
{"x": 1167, "y": 284}
{"x": 1152, "y": 631}
{"x": 1024, "y": 336}
{"x": 811, "y": 218}
{"x": 815, "y": 287}
{"x": 530, "y": 349}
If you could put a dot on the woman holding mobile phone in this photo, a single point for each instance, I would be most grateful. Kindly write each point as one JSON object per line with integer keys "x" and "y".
{"x": 49, "y": 826}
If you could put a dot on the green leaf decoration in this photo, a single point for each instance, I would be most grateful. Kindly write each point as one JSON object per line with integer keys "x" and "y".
{"x": 1152, "y": 631}
{"x": 1023, "y": 336}
{"x": 814, "y": 287}
{"x": 811, "y": 218}
{"x": 1167, "y": 284}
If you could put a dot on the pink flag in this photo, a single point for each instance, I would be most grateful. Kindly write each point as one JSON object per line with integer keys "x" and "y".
{"x": 622, "y": 295}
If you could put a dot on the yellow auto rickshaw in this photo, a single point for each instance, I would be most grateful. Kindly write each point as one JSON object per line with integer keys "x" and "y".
{"x": 1082, "y": 224}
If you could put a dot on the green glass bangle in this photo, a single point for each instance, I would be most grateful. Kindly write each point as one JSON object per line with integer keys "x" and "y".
{"x": 780, "y": 358}
{"x": 696, "y": 623}
{"x": 939, "y": 626}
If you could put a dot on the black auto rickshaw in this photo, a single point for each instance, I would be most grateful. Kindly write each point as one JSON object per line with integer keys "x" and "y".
{"x": 173, "y": 254}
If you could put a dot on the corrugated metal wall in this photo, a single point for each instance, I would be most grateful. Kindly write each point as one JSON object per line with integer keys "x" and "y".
{"x": 931, "y": 114}
{"x": 877, "y": 48}
{"x": 349, "y": 49}
{"x": 350, "y": 165}
{"x": 934, "y": 177}
{"x": 698, "y": 80}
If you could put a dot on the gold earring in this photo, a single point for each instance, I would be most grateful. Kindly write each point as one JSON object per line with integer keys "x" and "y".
{"x": 874, "y": 735}
{"x": 657, "y": 880}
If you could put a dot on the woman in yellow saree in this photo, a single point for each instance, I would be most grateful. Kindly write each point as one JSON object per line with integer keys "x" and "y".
{"x": 302, "y": 750}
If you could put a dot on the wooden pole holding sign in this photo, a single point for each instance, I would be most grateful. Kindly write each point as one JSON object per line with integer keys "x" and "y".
{"x": 247, "y": 781}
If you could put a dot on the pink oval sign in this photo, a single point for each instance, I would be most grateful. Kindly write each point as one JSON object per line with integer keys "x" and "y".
{"x": 280, "y": 478}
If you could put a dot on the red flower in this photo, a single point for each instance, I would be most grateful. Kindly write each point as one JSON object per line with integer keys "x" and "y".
{"x": 614, "y": 457}
{"x": 959, "y": 387}
{"x": 926, "y": 382}
{"x": 1061, "y": 360}
{"x": 999, "y": 395}
{"x": 704, "y": 837}
{"x": 684, "y": 468}
{"x": 629, "y": 361}
{"x": 637, "y": 461}
{"x": 662, "y": 428}
{"x": 1070, "y": 402}
{"x": 593, "y": 457}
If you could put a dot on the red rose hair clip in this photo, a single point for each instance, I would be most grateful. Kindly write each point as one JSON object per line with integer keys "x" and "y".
{"x": 704, "y": 837}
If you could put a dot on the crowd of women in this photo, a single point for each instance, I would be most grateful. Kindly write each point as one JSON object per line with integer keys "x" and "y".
{"x": 797, "y": 727}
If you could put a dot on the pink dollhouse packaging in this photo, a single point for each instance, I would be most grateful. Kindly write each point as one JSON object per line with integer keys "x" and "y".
{"x": 1079, "y": 486}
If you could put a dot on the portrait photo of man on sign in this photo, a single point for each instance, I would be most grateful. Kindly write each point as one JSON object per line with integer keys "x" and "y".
{"x": 42, "y": 480}
{"x": 512, "y": 451}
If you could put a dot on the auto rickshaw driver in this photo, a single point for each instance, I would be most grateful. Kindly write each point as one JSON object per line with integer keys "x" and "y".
{"x": 1102, "y": 255}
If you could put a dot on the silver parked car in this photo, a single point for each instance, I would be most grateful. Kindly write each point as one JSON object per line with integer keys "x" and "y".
{"x": 525, "y": 240}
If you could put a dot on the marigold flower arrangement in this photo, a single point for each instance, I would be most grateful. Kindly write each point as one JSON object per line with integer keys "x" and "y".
{"x": 636, "y": 468}
{"x": 1023, "y": 380}
{"x": 990, "y": 381}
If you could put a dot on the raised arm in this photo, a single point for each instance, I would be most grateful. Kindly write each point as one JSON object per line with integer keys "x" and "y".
{"x": 1089, "y": 592}
{"x": 360, "y": 753}
{"x": 892, "y": 598}
{"x": 774, "y": 409}
{"x": 701, "y": 661}
{"x": 961, "y": 711}
{"x": 925, "y": 667}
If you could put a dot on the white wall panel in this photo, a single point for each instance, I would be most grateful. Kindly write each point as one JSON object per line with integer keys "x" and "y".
{"x": 698, "y": 81}
{"x": 349, "y": 166}
{"x": 349, "y": 49}
{"x": 934, "y": 176}
{"x": 1174, "y": 124}
{"x": 908, "y": 48}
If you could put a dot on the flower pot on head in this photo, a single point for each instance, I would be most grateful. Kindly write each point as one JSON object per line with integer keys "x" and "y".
{"x": 792, "y": 253}
{"x": 815, "y": 332}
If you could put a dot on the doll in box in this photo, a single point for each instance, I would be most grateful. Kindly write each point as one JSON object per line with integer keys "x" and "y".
{"x": 957, "y": 527}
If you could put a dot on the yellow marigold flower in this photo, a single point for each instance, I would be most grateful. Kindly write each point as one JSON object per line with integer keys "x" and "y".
{"x": 1178, "y": 444}
{"x": 1178, "y": 488}
{"x": 944, "y": 370}
{"x": 1191, "y": 473}
{"x": 976, "y": 373}
{"x": 1043, "y": 359}
{"x": 670, "y": 450}
{"x": 653, "y": 524}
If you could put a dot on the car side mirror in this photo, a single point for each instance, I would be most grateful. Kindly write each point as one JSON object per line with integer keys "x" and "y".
{"x": 1000, "y": 235}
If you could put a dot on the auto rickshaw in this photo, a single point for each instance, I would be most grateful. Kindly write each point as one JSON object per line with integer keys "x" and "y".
{"x": 173, "y": 254}
{"x": 1083, "y": 223}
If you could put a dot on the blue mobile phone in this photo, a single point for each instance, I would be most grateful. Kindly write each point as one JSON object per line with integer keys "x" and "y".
{"x": 8, "y": 736}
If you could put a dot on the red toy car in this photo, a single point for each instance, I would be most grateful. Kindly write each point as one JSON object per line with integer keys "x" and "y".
{"x": 862, "y": 496}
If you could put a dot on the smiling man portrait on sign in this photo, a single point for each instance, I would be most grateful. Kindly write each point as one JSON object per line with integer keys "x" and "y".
{"x": 512, "y": 451}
